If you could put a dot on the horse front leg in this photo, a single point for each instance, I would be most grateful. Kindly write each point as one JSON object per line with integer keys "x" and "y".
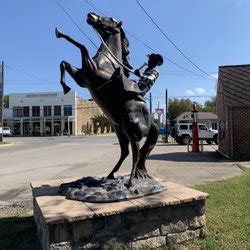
{"x": 60, "y": 34}
{"x": 87, "y": 61}
{"x": 73, "y": 72}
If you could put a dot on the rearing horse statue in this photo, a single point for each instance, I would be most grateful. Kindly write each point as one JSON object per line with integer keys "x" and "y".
{"x": 119, "y": 98}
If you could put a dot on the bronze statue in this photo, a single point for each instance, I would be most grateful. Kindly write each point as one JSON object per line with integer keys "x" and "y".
{"x": 106, "y": 77}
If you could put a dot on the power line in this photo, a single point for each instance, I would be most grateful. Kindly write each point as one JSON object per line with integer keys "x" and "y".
{"x": 8, "y": 67}
{"x": 93, "y": 6}
{"x": 166, "y": 36}
{"x": 72, "y": 19}
{"x": 183, "y": 96}
{"x": 150, "y": 48}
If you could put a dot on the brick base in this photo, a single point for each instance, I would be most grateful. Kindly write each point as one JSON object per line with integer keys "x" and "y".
{"x": 141, "y": 223}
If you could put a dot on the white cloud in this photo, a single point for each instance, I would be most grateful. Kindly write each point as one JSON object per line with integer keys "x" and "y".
{"x": 214, "y": 75}
{"x": 189, "y": 92}
{"x": 195, "y": 91}
{"x": 199, "y": 91}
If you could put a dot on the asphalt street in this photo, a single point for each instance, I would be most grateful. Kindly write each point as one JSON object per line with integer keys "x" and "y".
{"x": 40, "y": 158}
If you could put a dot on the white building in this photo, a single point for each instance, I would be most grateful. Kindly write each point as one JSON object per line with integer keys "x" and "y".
{"x": 203, "y": 117}
{"x": 42, "y": 113}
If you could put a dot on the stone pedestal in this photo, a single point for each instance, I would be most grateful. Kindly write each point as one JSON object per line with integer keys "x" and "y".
{"x": 172, "y": 217}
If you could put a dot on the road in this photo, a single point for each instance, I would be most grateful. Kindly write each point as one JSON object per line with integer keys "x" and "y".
{"x": 39, "y": 158}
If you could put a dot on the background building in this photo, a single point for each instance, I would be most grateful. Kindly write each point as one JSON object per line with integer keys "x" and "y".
{"x": 233, "y": 109}
{"x": 50, "y": 113}
{"x": 208, "y": 118}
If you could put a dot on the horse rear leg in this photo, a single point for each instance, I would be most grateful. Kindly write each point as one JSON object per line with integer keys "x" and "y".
{"x": 149, "y": 144}
{"x": 65, "y": 66}
{"x": 135, "y": 150}
{"x": 124, "y": 143}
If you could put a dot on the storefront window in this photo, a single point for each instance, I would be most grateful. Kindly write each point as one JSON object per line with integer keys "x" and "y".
{"x": 35, "y": 111}
{"x": 57, "y": 110}
{"x": 67, "y": 110}
{"x": 47, "y": 110}
{"x": 17, "y": 112}
{"x": 26, "y": 111}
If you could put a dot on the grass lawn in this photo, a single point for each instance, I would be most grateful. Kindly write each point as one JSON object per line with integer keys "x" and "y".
{"x": 227, "y": 214}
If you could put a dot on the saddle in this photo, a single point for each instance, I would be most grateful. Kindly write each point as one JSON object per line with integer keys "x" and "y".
{"x": 129, "y": 87}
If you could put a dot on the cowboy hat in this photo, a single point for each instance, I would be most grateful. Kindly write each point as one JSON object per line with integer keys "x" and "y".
{"x": 157, "y": 58}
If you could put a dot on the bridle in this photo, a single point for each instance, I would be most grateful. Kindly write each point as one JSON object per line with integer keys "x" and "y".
{"x": 111, "y": 53}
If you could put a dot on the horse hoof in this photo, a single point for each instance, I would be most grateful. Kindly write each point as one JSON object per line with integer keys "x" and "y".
{"x": 66, "y": 89}
{"x": 129, "y": 184}
{"x": 58, "y": 33}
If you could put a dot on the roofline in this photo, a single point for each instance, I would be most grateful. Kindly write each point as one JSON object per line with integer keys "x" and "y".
{"x": 238, "y": 65}
{"x": 40, "y": 92}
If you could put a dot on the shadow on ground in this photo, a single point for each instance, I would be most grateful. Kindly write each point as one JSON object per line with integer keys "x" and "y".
{"x": 18, "y": 233}
{"x": 190, "y": 157}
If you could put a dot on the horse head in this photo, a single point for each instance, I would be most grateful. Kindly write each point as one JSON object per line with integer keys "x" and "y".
{"x": 107, "y": 27}
{"x": 104, "y": 25}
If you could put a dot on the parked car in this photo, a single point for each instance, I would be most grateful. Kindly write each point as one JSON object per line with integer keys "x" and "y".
{"x": 183, "y": 133}
{"x": 6, "y": 131}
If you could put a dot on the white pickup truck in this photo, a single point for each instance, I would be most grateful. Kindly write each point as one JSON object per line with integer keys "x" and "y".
{"x": 183, "y": 133}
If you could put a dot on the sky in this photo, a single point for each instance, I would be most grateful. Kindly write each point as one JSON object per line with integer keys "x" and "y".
{"x": 210, "y": 33}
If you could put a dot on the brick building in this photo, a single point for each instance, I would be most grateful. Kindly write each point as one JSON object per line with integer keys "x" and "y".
{"x": 49, "y": 113}
{"x": 85, "y": 111}
{"x": 233, "y": 110}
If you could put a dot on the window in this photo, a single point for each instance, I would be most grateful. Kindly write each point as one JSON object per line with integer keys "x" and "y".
{"x": 17, "y": 112}
{"x": 67, "y": 110}
{"x": 57, "y": 110}
{"x": 214, "y": 125}
{"x": 35, "y": 111}
{"x": 26, "y": 111}
{"x": 47, "y": 110}
{"x": 183, "y": 127}
{"x": 202, "y": 127}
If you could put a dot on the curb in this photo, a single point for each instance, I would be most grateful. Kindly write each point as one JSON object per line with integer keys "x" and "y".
{"x": 7, "y": 144}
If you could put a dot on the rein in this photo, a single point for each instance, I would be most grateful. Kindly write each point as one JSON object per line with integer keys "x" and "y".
{"x": 111, "y": 53}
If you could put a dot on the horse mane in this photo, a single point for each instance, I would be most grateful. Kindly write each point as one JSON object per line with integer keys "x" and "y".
{"x": 125, "y": 52}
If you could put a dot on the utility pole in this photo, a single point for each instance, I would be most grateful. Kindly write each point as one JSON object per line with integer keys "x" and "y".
{"x": 1, "y": 100}
{"x": 195, "y": 134}
{"x": 150, "y": 103}
{"x": 166, "y": 116}
{"x": 159, "y": 115}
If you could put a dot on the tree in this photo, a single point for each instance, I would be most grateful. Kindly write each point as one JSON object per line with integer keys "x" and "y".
{"x": 102, "y": 122}
{"x": 210, "y": 105}
{"x": 177, "y": 107}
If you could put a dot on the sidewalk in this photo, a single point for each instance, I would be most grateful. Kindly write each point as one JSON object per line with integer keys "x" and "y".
{"x": 173, "y": 163}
